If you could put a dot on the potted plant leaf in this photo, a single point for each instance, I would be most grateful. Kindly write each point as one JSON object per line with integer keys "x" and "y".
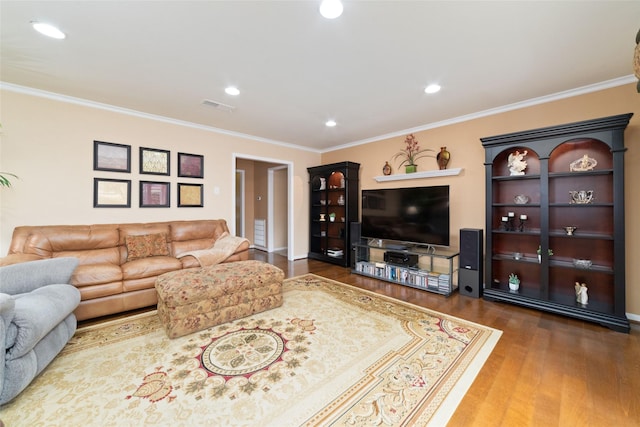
{"x": 514, "y": 282}
{"x": 539, "y": 251}
{"x": 4, "y": 179}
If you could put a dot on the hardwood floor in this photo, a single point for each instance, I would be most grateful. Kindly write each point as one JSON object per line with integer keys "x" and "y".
{"x": 546, "y": 370}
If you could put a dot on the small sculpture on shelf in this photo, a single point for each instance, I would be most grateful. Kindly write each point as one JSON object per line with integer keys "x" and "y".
{"x": 581, "y": 197}
{"x": 583, "y": 164}
{"x": 516, "y": 162}
{"x": 570, "y": 229}
{"x": 581, "y": 293}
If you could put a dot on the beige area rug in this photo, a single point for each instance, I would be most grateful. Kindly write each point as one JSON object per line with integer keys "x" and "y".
{"x": 332, "y": 355}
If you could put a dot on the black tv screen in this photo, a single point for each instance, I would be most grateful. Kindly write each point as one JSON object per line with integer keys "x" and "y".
{"x": 418, "y": 215}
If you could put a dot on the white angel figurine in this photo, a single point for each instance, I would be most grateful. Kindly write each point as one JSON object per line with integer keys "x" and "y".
{"x": 581, "y": 294}
{"x": 516, "y": 162}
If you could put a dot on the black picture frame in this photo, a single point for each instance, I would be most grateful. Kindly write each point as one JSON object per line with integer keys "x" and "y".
{"x": 111, "y": 193}
{"x": 155, "y": 194}
{"x": 111, "y": 157}
{"x": 190, "y": 165}
{"x": 190, "y": 195}
{"x": 154, "y": 161}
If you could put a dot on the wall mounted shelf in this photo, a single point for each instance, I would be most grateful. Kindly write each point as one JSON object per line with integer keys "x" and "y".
{"x": 418, "y": 175}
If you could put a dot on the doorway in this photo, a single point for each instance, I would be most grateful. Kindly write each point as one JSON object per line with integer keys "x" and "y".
{"x": 263, "y": 201}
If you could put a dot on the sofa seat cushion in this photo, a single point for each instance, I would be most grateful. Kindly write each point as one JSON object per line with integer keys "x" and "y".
{"x": 148, "y": 267}
{"x": 36, "y": 314}
{"x": 96, "y": 274}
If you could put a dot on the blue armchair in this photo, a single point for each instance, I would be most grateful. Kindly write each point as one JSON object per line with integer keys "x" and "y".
{"x": 36, "y": 319}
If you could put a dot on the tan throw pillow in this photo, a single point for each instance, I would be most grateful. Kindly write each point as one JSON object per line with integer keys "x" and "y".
{"x": 146, "y": 245}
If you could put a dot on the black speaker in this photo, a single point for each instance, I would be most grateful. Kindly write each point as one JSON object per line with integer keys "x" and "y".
{"x": 471, "y": 248}
{"x": 471, "y": 269}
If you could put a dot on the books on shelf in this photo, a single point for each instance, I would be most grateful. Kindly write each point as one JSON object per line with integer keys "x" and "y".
{"x": 430, "y": 280}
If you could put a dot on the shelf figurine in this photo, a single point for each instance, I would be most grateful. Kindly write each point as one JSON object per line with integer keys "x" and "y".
{"x": 581, "y": 293}
{"x": 516, "y": 162}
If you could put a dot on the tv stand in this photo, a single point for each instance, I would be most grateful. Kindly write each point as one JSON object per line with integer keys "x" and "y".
{"x": 420, "y": 267}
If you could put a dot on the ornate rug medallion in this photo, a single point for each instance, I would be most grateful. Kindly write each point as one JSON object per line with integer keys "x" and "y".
{"x": 331, "y": 355}
{"x": 242, "y": 352}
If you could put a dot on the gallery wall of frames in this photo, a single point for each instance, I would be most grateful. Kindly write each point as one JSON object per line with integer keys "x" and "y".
{"x": 155, "y": 192}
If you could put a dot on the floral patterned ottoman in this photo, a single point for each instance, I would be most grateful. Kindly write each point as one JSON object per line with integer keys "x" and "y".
{"x": 197, "y": 298}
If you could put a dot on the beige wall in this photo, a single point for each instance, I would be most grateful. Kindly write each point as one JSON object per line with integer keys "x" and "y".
{"x": 468, "y": 189}
{"x": 49, "y": 145}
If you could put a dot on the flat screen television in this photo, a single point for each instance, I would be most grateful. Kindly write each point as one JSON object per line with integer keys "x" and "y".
{"x": 416, "y": 215}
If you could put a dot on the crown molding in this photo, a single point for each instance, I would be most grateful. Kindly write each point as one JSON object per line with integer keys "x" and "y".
{"x": 115, "y": 109}
{"x": 492, "y": 111}
{"x": 498, "y": 110}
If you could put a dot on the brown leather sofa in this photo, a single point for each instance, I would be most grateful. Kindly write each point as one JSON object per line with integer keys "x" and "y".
{"x": 109, "y": 278}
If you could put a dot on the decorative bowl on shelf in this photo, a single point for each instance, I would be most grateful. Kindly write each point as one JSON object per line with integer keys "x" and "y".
{"x": 582, "y": 263}
{"x": 521, "y": 199}
{"x": 581, "y": 197}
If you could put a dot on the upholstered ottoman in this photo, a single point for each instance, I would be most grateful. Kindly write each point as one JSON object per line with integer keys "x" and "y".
{"x": 197, "y": 298}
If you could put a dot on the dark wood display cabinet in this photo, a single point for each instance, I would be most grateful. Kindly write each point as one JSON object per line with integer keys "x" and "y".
{"x": 561, "y": 221}
{"x": 334, "y": 204}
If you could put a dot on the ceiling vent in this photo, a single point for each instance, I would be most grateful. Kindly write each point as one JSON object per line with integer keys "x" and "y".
{"x": 219, "y": 105}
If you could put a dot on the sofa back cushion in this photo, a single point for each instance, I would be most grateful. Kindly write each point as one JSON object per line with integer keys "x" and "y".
{"x": 91, "y": 244}
{"x": 195, "y": 235}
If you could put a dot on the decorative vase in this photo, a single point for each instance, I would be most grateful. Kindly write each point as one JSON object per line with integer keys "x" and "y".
{"x": 514, "y": 286}
{"x": 386, "y": 169}
{"x": 410, "y": 168}
{"x": 443, "y": 158}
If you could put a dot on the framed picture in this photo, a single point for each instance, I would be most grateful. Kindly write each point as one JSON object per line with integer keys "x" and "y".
{"x": 111, "y": 193}
{"x": 190, "y": 165}
{"x": 111, "y": 157}
{"x": 154, "y": 162}
{"x": 189, "y": 195}
{"x": 154, "y": 194}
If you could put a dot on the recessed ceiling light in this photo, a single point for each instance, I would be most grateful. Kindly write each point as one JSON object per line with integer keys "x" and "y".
{"x": 48, "y": 30}
{"x": 330, "y": 123}
{"x": 433, "y": 88}
{"x": 232, "y": 90}
{"x": 331, "y": 9}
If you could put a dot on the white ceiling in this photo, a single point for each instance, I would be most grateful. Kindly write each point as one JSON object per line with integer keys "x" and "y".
{"x": 367, "y": 69}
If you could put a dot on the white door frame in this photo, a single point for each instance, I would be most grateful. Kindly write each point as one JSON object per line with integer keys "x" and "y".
{"x": 270, "y": 207}
{"x": 289, "y": 166}
{"x": 243, "y": 233}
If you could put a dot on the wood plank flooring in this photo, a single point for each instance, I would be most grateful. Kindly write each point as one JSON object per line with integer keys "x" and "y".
{"x": 546, "y": 370}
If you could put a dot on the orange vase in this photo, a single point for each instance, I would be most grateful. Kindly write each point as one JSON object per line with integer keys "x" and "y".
{"x": 443, "y": 158}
